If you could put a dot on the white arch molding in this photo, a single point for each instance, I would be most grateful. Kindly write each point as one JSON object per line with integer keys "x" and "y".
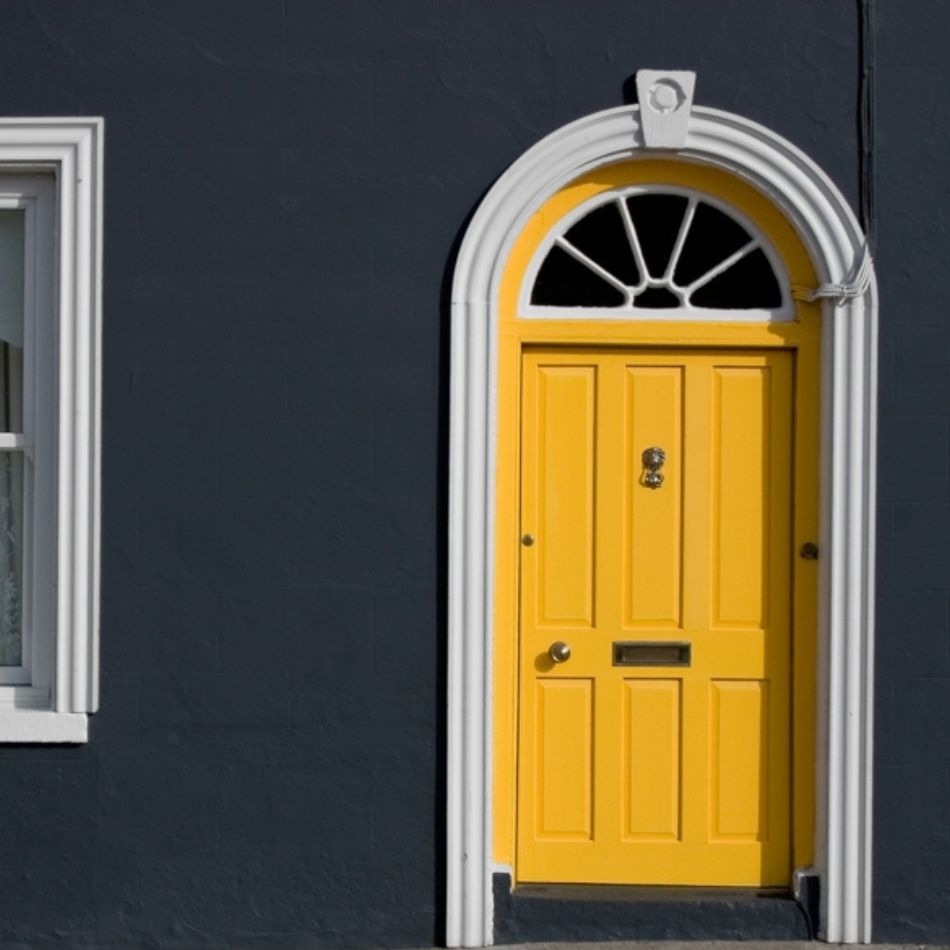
{"x": 849, "y": 357}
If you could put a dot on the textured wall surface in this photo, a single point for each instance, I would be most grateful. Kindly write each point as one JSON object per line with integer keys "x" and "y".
{"x": 286, "y": 183}
{"x": 912, "y": 777}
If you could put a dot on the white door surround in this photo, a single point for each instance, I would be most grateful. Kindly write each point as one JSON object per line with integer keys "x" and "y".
{"x": 834, "y": 239}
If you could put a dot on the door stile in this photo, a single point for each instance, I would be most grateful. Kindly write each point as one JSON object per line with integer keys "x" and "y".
{"x": 558, "y": 707}
{"x": 697, "y": 544}
{"x": 609, "y": 809}
{"x": 804, "y": 574}
{"x": 779, "y": 625}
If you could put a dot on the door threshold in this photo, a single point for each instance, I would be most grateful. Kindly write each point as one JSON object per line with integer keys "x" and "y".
{"x": 648, "y": 892}
{"x": 529, "y": 913}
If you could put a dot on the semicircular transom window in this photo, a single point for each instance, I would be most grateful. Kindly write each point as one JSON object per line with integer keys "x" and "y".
{"x": 657, "y": 253}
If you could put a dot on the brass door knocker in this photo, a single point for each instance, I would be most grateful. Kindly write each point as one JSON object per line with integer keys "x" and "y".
{"x": 653, "y": 459}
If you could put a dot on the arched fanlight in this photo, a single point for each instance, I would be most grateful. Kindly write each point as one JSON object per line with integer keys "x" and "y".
{"x": 643, "y": 250}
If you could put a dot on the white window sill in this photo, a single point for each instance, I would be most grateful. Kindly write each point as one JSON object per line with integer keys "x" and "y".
{"x": 35, "y": 725}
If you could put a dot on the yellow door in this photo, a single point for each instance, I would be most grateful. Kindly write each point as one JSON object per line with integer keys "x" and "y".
{"x": 658, "y": 751}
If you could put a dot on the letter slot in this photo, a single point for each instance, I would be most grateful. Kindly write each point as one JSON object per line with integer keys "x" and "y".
{"x": 652, "y": 653}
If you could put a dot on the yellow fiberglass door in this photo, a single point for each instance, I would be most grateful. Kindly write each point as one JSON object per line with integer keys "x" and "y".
{"x": 654, "y": 738}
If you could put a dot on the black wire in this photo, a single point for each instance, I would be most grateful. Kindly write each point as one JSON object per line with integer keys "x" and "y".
{"x": 866, "y": 117}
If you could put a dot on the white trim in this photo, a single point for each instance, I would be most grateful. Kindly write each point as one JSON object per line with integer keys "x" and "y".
{"x": 67, "y": 409}
{"x": 849, "y": 360}
{"x": 31, "y": 725}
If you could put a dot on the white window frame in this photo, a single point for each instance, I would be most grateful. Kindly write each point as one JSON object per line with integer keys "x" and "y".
{"x": 29, "y": 685}
{"x": 52, "y": 168}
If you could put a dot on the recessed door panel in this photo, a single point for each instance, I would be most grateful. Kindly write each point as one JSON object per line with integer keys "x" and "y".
{"x": 741, "y": 491}
{"x": 653, "y": 403}
{"x": 652, "y": 766}
{"x": 565, "y": 747}
{"x": 739, "y": 737}
{"x": 565, "y": 494}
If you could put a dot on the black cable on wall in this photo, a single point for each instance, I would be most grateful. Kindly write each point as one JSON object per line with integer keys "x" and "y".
{"x": 866, "y": 53}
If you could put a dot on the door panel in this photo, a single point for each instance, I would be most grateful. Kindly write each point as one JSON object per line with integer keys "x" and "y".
{"x": 653, "y": 403}
{"x": 565, "y": 743}
{"x": 740, "y": 480}
{"x": 651, "y": 751}
{"x": 739, "y": 757}
{"x": 564, "y": 437}
{"x": 656, "y": 774}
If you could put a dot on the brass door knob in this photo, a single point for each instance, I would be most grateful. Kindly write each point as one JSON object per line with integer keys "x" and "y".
{"x": 559, "y": 651}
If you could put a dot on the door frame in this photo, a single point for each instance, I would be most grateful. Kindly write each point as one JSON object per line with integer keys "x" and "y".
{"x": 829, "y": 230}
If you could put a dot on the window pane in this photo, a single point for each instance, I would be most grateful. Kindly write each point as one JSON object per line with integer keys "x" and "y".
{"x": 11, "y": 320}
{"x": 11, "y": 558}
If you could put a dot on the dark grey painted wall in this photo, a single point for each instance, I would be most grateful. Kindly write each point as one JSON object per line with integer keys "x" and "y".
{"x": 912, "y": 775}
{"x": 286, "y": 185}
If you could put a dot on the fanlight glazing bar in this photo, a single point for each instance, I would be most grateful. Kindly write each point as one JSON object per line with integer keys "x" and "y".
{"x": 685, "y": 225}
{"x": 578, "y": 255}
{"x": 721, "y": 267}
{"x": 633, "y": 238}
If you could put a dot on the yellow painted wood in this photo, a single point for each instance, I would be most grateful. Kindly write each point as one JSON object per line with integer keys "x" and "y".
{"x": 564, "y": 757}
{"x": 564, "y": 494}
{"x": 804, "y": 698}
{"x": 800, "y": 338}
{"x": 741, "y": 494}
{"x": 652, "y": 520}
{"x": 651, "y": 758}
{"x": 687, "y": 769}
{"x": 739, "y": 755}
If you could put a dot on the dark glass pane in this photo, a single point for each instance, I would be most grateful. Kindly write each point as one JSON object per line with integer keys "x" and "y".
{"x": 11, "y": 386}
{"x": 657, "y": 298}
{"x": 748, "y": 284}
{"x": 712, "y": 237}
{"x": 12, "y": 243}
{"x": 657, "y": 219}
{"x": 11, "y": 558}
{"x": 602, "y": 237}
{"x": 563, "y": 281}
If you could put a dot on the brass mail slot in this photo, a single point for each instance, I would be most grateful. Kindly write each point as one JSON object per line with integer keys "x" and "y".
{"x": 656, "y": 653}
